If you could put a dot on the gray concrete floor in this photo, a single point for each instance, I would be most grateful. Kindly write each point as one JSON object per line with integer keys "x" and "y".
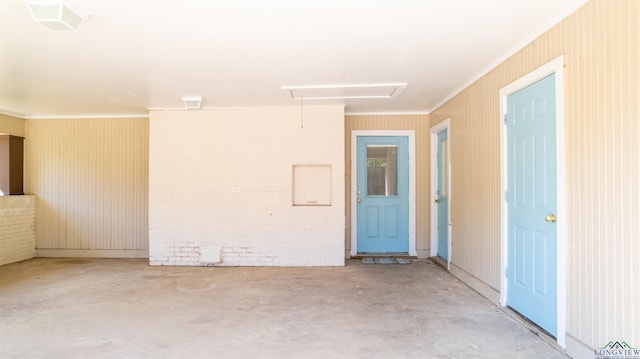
{"x": 118, "y": 308}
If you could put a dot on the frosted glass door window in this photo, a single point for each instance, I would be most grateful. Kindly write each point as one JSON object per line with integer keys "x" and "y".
{"x": 382, "y": 170}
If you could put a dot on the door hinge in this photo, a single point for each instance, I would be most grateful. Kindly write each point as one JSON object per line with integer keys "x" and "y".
{"x": 506, "y": 196}
{"x": 506, "y": 272}
{"x": 505, "y": 119}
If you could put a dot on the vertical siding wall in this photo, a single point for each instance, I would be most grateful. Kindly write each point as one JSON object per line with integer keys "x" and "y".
{"x": 418, "y": 123}
{"x": 600, "y": 43}
{"x": 11, "y": 125}
{"x": 90, "y": 176}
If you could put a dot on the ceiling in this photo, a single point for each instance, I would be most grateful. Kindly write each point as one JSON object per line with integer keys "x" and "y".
{"x": 130, "y": 56}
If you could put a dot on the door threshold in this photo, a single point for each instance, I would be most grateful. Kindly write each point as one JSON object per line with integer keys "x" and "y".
{"x": 361, "y": 255}
{"x": 533, "y": 327}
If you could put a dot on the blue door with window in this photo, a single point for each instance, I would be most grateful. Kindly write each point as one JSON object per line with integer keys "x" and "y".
{"x": 531, "y": 203}
{"x": 382, "y": 194}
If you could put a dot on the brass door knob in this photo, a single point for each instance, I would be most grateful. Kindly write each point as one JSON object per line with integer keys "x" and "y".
{"x": 551, "y": 218}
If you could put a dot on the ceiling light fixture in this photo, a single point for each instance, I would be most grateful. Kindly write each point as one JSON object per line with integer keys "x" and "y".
{"x": 192, "y": 102}
{"x": 56, "y": 14}
{"x": 346, "y": 91}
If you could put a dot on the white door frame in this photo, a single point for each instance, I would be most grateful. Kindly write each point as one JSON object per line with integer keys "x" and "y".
{"x": 555, "y": 66}
{"x": 411, "y": 136}
{"x": 434, "y": 188}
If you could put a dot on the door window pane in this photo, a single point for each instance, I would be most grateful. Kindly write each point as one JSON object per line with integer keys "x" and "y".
{"x": 382, "y": 170}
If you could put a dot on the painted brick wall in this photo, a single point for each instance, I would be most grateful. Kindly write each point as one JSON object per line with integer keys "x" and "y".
{"x": 17, "y": 228}
{"x": 220, "y": 187}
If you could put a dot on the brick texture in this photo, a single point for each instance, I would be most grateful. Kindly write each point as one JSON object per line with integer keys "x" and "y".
{"x": 17, "y": 228}
{"x": 223, "y": 179}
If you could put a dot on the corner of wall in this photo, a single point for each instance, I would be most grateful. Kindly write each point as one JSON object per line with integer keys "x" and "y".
{"x": 17, "y": 228}
{"x": 12, "y": 125}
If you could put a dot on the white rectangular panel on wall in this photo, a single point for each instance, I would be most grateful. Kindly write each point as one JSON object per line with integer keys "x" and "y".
{"x": 311, "y": 185}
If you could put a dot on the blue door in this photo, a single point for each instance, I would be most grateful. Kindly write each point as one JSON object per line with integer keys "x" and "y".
{"x": 382, "y": 194}
{"x": 531, "y": 198}
{"x": 443, "y": 196}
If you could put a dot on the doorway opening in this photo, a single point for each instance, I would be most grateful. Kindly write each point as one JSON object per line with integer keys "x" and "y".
{"x": 383, "y": 192}
{"x": 440, "y": 244}
{"x": 533, "y": 226}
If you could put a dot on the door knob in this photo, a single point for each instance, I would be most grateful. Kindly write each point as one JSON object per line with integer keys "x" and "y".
{"x": 359, "y": 200}
{"x": 551, "y": 218}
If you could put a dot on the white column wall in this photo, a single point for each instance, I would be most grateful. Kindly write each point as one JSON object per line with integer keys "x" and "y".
{"x": 220, "y": 187}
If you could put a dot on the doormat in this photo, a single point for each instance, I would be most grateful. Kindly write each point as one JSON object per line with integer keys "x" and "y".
{"x": 372, "y": 260}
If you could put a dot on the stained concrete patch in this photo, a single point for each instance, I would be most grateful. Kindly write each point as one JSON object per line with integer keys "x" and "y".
{"x": 123, "y": 308}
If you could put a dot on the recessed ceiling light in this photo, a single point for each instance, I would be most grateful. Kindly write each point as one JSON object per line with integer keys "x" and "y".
{"x": 346, "y": 91}
{"x": 192, "y": 102}
{"x": 56, "y": 14}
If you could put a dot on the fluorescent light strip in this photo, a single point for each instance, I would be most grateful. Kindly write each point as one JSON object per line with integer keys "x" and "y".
{"x": 88, "y": 117}
{"x": 316, "y": 87}
{"x": 298, "y": 92}
{"x": 339, "y": 97}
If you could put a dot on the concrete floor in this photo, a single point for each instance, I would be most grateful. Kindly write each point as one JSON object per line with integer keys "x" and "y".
{"x": 118, "y": 308}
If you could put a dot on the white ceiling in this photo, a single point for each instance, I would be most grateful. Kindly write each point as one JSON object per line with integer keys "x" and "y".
{"x": 133, "y": 55}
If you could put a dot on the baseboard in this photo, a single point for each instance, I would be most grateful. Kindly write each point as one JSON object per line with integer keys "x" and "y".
{"x": 476, "y": 284}
{"x": 577, "y": 349}
{"x": 93, "y": 253}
